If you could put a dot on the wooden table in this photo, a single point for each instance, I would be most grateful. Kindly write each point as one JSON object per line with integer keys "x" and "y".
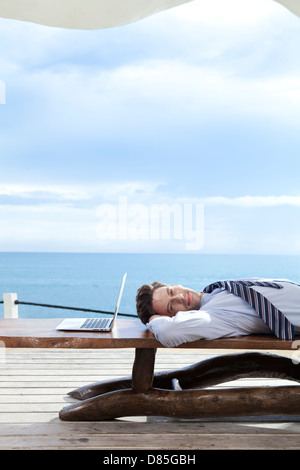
{"x": 178, "y": 393}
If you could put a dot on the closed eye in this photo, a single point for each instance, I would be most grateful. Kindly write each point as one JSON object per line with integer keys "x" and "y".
{"x": 170, "y": 293}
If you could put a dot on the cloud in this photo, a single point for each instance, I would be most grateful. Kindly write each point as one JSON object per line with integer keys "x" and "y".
{"x": 67, "y": 218}
{"x": 152, "y": 88}
{"x": 136, "y": 102}
{"x": 158, "y": 111}
{"x": 135, "y": 190}
{"x": 75, "y": 195}
{"x": 254, "y": 201}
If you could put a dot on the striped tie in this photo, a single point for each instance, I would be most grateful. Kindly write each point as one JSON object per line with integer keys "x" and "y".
{"x": 273, "y": 317}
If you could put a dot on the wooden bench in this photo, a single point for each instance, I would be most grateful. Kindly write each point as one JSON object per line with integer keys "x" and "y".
{"x": 178, "y": 393}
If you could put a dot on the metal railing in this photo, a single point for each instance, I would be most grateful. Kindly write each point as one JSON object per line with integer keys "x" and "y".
{"x": 11, "y": 303}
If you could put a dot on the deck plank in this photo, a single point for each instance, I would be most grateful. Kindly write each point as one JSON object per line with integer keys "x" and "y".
{"x": 34, "y": 385}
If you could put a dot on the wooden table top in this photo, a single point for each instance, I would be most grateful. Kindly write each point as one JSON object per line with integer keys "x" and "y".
{"x": 127, "y": 333}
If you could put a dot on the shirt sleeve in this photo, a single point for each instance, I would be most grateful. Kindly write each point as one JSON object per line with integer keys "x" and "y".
{"x": 184, "y": 327}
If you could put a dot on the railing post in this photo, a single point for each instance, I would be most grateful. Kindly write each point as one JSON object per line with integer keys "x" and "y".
{"x": 10, "y": 307}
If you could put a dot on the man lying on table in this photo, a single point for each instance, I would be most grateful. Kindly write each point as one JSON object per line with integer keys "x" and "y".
{"x": 177, "y": 314}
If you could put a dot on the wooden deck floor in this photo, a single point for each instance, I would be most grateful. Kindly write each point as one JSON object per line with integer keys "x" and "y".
{"x": 34, "y": 384}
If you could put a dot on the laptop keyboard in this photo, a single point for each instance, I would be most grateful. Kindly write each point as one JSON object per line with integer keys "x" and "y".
{"x": 96, "y": 323}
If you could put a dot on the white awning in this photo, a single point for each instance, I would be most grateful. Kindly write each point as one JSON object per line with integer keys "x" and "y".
{"x": 94, "y": 14}
{"x": 83, "y": 14}
{"x": 292, "y": 5}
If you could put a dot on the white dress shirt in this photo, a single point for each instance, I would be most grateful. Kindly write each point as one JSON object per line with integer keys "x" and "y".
{"x": 223, "y": 314}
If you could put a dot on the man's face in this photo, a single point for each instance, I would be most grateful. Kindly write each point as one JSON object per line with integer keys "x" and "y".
{"x": 168, "y": 300}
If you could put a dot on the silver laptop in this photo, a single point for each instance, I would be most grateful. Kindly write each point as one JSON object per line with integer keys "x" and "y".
{"x": 93, "y": 324}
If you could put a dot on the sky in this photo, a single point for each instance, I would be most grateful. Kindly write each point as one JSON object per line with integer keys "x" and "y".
{"x": 193, "y": 111}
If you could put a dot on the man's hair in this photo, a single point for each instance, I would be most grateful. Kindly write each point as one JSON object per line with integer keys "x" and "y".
{"x": 144, "y": 300}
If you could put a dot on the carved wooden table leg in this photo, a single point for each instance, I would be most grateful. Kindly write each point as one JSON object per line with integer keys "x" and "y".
{"x": 207, "y": 373}
{"x": 143, "y": 400}
{"x": 143, "y": 370}
{"x": 189, "y": 404}
{"x": 110, "y": 405}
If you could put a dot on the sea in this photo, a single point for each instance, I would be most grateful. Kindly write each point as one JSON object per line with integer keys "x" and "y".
{"x": 92, "y": 280}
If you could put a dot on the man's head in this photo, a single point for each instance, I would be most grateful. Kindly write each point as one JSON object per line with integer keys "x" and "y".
{"x": 162, "y": 299}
